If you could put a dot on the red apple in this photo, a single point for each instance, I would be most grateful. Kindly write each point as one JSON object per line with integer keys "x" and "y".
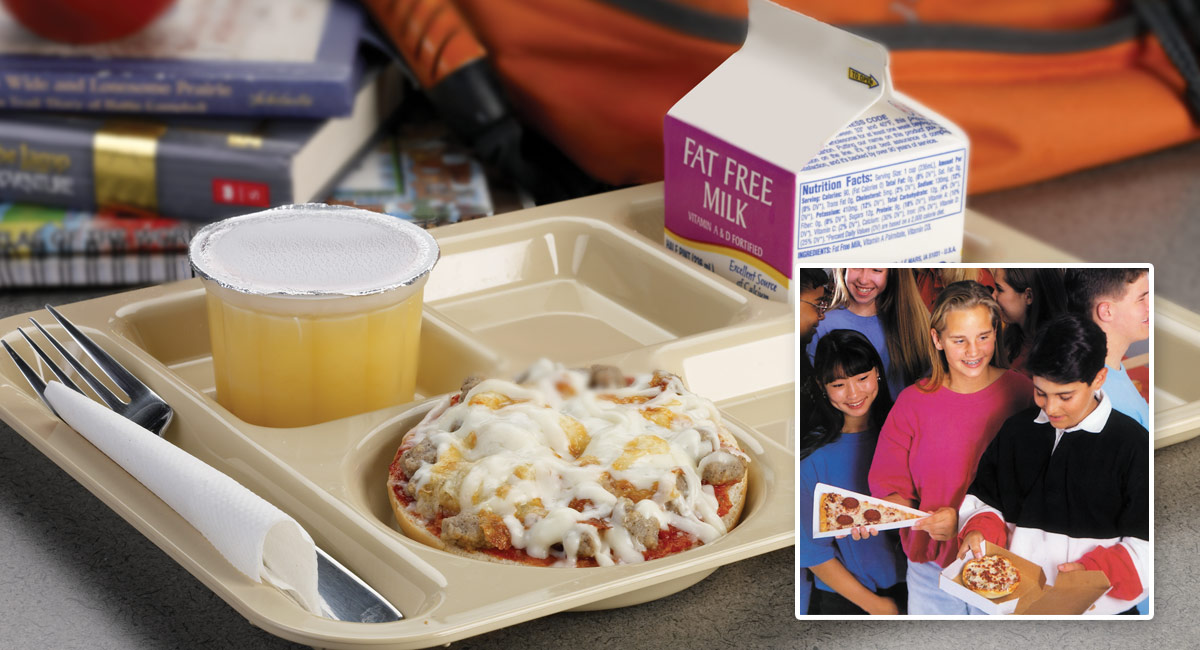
{"x": 85, "y": 21}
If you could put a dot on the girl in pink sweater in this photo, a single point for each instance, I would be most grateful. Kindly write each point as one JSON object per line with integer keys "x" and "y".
{"x": 931, "y": 442}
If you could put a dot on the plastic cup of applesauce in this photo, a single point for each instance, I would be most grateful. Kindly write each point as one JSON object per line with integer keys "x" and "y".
{"x": 314, "y": 311}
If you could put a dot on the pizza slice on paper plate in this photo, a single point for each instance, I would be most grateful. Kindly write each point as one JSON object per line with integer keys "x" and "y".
{"x": 836, "y": 510}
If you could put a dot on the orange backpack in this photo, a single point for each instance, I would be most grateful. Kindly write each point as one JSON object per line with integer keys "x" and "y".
{"x": 1042, "y": 87}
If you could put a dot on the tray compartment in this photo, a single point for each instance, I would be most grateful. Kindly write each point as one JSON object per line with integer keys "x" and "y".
{"x": 173, "y": 330}
{"x": 364, "y": 472}
{"x": 574, "y": 290}
{"x": 1175, "y": 383}
{"x": 748, "y": 372}
{"x": 362, "y": 487}
{"x": 557, "y": 319}
{"x": 1176, "y": 404}
{"x": 773, "y": 412}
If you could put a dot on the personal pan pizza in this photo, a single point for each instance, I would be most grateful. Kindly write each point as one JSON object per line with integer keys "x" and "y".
{"x": 569, "y": 468}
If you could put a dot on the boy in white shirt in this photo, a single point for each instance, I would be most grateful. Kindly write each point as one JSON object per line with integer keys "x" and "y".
{"x": 1066, "y": 483}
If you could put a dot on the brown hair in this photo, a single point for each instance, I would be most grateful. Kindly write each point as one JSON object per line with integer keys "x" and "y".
{"x": 1049, "y": 300}
{"x": 958, "y": 296}
{"x": 904, "y": 318}
{"x": 1088, "y": 286}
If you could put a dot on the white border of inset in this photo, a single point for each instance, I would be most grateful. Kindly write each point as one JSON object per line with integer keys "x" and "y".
{"x": 1149, "y": 438}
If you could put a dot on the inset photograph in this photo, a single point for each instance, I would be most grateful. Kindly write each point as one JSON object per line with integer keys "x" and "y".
{"x": 974, "y": 441}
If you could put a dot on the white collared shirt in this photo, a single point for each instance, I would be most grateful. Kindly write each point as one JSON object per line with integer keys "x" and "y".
{"x": 1093, "y": 423}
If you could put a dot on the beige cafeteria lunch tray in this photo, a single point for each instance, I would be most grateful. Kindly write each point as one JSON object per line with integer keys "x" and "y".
{"x": 581, "y": 282}
{"x": 570, "y": 283}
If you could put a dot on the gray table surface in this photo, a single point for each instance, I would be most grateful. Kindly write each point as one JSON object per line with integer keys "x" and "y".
{"x": 74, "y": 574}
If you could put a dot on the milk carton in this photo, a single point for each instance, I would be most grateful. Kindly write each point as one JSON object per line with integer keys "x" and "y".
{"x": 797, "y": 148}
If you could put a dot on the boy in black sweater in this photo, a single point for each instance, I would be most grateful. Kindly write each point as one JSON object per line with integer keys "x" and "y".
{"x": 1066, "y": 484}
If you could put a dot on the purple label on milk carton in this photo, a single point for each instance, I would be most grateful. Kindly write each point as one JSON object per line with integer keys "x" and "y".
{"x": 728, "y": 207}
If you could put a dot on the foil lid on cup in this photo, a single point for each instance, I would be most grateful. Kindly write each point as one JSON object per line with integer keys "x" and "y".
{"x": 313, "y": 249}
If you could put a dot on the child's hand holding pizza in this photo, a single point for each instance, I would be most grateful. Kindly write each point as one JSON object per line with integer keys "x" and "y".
{"x": 861, "y": 532}
{"x": 972, "y": 541}
{"x": 942, "y": 525}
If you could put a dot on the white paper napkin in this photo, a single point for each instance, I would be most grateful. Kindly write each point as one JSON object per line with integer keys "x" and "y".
{"x": 257, "y": 538}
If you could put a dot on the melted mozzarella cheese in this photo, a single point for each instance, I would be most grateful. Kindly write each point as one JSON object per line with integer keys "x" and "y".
{"x": 508, "y": 450}
{"x": 649, "y": 509}
{"x": 548, "y": 531}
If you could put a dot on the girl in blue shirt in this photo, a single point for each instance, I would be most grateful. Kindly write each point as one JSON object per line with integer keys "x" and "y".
{"x": 837, "y": 444}
{"x": 885, "y": 305}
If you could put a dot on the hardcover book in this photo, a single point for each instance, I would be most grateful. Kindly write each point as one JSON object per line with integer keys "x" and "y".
{"x": 417, "y": 174}
{"x": 202, "y": 57}
{"x": 188, "y": 168}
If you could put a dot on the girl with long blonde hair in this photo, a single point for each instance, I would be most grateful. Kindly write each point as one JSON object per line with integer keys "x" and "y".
{"x": 935, "y": 434}
{"x": 885, "y": 305}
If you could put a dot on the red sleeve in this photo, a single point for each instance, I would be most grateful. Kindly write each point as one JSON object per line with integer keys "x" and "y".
{"x": 990, "y": 524}
{"x": 1118, "y": 567}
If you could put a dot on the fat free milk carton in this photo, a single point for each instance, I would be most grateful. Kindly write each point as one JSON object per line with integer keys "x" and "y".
{"x": 797, "y": 148}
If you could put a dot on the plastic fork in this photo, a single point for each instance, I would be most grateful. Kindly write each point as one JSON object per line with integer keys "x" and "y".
{"x": 344, "y": 596}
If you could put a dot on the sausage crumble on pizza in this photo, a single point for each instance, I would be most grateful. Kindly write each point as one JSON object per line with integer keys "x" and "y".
{"x": 569, "y": 468}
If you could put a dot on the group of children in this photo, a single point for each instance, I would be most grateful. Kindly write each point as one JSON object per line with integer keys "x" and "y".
{"x": 996, "y": 400}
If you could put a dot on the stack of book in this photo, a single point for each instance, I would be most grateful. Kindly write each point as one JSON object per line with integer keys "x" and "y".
{"x": 113, "y": 155}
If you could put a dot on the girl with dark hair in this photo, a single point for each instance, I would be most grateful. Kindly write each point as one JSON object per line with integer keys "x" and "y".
{"x": 1027, "y": 298}
{"x": 836, "y": 446}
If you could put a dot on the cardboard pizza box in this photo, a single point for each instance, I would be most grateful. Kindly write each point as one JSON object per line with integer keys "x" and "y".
{"x": 823, "y": 488}
{"x": 1073, "y": 593}
{"x": 798, "y": 147}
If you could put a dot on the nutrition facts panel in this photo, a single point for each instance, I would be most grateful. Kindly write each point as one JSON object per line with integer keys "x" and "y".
{"x": 880, "y": 204}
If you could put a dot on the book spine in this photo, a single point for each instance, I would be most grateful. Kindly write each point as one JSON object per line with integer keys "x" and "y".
{"x": 157, "y": 93}
{"x": 185, "y": 175}
{"x": 46, "y": 166}
{"x": 203, "y": 180}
